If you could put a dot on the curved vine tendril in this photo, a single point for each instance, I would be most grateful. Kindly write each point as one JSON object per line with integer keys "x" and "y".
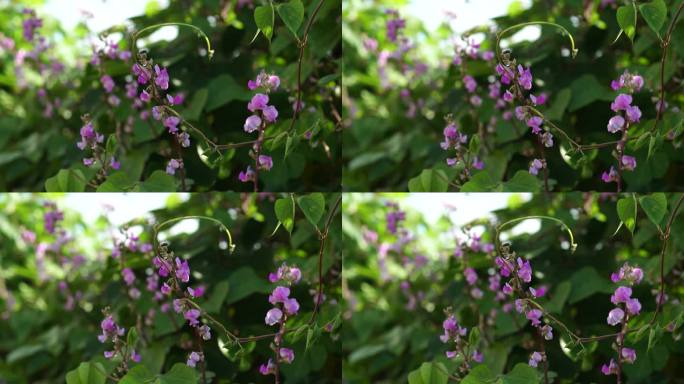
{"x": 564, "y": 31}
{"x": 573, "y": 245}
{"x": 136, "y": 36}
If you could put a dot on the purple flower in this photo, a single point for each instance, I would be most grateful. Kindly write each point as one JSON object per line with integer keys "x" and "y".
{"x": 267, "y": 369}
{"x": 469, "y": 83}
{"x": 508, "y": 96}
{"x": 633, "y": 306}
{"x": 616, "y": 123}
{"x": 507, "y": 289}
{"x": 477, "y": 356}
{"x": 524, "y": 77}
{"x": 279, "y": 295}
{"x": 270, "y": 113}
{"x": 273, "y": 316}
{"x": 535, "y": 359}
{"x": 191, "y": 316}
{"x": 109, "y": 354}
{"x": 622, "y": 101}
{"x": 265, "y": 162}
{"x": 252, "y": 123}
{"x": 609, "y": 369}
{"x": 114, "y": 164}
{"x": 142, "y": 73}
{"x": 144, "y": 96}
{"x": 171, "y": 123}
{"x": 273, "y": 82}
{"x": 628, "y": 162}
{"x": 535, "y": 166}
{"x": 470, "y": 275}
{"x": 258, "y": 102}
{"x": 534, "y": 315}
{"x": 157, "y": 112}
{"x": 547, "y": 139}
{"x": 182, "y": 270}
{"x": 609, "y": 176}
{"x": 615, "y": 316}
{"x": 621, "y": 295}
{"x": 135, "y": 356}
{"x": 547, "y": 332}
{"x": 247, "y": 175}
{"x": 291, "y": 306}
{"x": 128, "y": 276}
{"x": 107, "y": 83}
{"x": 162, "y": 78}
{"x": 171, "y": 168}
{"x": 535, "y": 122}
{"x": 633, "y": 113}
{"x": 165, "y": 289}
{"x": 204, "y": 332}
{"x": 194, "y": 358}
{"x": 286, "y": 355}
{"x": 524, "y": 270}
{"x": 178, "y": 305}
{"x": 628, "y": 355}
{"x": 197, "y": 292}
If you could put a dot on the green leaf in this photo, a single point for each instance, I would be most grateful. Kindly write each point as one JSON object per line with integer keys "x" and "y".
{"x": 522, "y": 374}
{"x": 263, "y": 16}
{"x": 87, "y": 373}
{"x": 223, "y": 89}
{"x": 480, "y": 182}
{"x": 429, "y": 373}
{"x": 586, "y": 282}
{"x": 626, "y": 18}
{"x": 292, "y": 14}
{"x": 429, "y": 180}
{"x": 66, "y": 180}
{"x": 24, "y": 351}
{"x": 479, "y": 375}
{"x": 654, "y": 336}
{"x": 218, "y": 295}
{"x": 654, "y": 13}
{"x": 522, "y": 181}
{"x": 627, "y": 212}
{"x": 244, "y": 282}
{"x": 137, "y": 375}
{"x": 313, "y": 206}
{"x": 199, "y": 100}
{"x": 655, "y": 206}
{"x": 132, "y": 338}
{"x": 118, "y": 181}
{"x": 433, "y": 373}
{"x": 179, "y": 374}
{"x": 159, "y": 181}
{"x": 585, "y": 90}
{"x": 285, "y": 212}
{"x": 111, "y": 145}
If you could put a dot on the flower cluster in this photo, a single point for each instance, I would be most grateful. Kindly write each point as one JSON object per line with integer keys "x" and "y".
{"x": 455, "y": 333}
{"x": 519, "y": 80}
{"x": 262, "y": 114}
{"x": 51, "y": 217}
{"x": 394, "y": 217}
{"x": 155, "y": 81}
{"x": 30, "y": 24}
{"x": 625, "y": 307}
{"x": 626, "y": 114}
{"x": 284, "y": 307}
{"x": 114, "y": 333}
{"x": 177, "y": 271}
{"x": 520, "y": 273}
{"x": 394, "y": 24}
{"x": 456, "y": 140}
